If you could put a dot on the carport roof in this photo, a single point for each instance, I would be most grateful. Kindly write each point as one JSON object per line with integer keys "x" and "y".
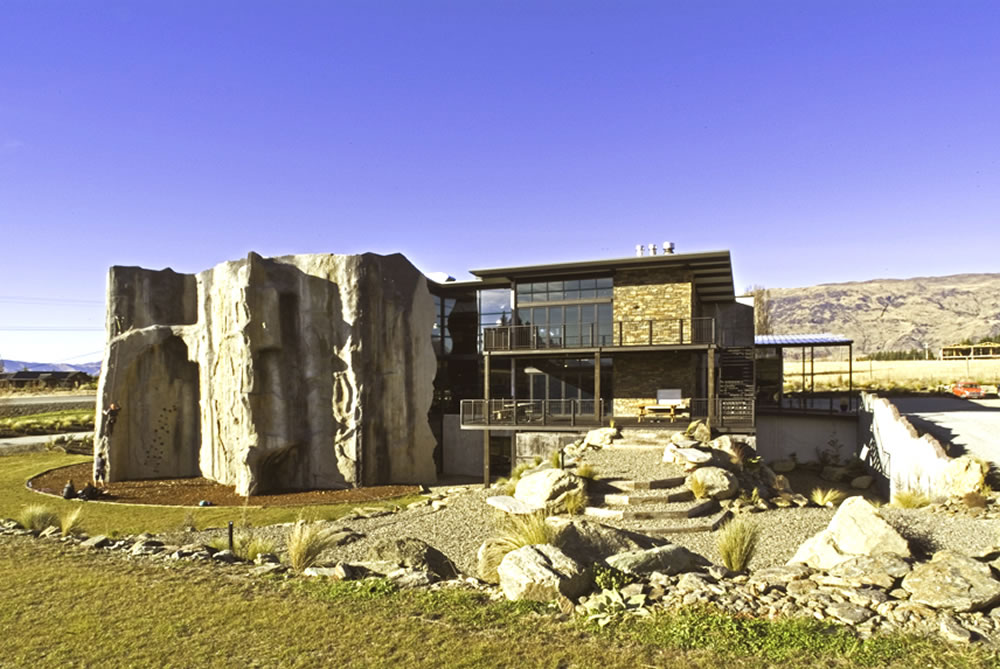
{"x": 824, "y": 339}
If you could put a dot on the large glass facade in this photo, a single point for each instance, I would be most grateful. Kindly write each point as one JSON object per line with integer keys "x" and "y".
{"x": 496, "y": 308}
{"x": 567, "y": 314}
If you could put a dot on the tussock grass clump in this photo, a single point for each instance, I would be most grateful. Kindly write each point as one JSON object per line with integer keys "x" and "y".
{"x": 305, "y": 543}
{"x": 246, "y": 545}
{"x": 698, "y": 487}
{"x": 737, "y": 541}
{"x": 71, "y": 521}
{"x": 587, "y": 471}
{"x": 515, "y": 531}
{"x": 555, "y": 459}
{"x": 829, "y": 497}
{"x": 575, "y": 502}
{"x": 974, "y": 500}
{"x": 37, "y": 517}
{"x": 910, "y": 499}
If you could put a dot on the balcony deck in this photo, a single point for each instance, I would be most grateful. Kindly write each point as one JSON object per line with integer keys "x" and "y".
{"x": 679, "y": 332}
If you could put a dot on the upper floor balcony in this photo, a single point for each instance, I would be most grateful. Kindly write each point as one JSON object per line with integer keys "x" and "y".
{"x": 671, "y": 332}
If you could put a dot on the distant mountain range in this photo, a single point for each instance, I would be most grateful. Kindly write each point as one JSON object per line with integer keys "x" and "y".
{"x": 92, "y": 368}
{"x": 893, "y": 314}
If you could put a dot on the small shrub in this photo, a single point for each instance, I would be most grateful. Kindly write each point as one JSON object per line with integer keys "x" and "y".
{"x": 909, "y": 499}
{"x": 537, "y": 461}
{"x": 737, "y": 541}
{"x": 519, "y": 471}
{"x": 555, "y": 459}
{"x": 305, "y": 543}
{"x": 515, "y": 531}
{"x": 37, "y": 517}
{"x": 829, "y": 497}
{"x": 586, "y": 471}
{"x": 698, "y": 487}
{"x": 609, "y": 606}
{"x": 505, "y": 486}
{"x": 609, "y": 578}
{"x": 575, "y": 502}
{"x": 974, "y": 500}
{"x": 71, "y": 521}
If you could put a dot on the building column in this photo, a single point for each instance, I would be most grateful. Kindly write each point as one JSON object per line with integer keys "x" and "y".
{"x": 711, "y": 387}
{"x": 486, "y": 415}
{"x": 597, "y": 387}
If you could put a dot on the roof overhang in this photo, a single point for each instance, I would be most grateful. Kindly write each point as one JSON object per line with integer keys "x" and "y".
{"x": 712, "y": 271}
{"x": 823, "y": 339}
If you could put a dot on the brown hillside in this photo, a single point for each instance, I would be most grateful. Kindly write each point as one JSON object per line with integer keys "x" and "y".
{"x": 893, "y": 314}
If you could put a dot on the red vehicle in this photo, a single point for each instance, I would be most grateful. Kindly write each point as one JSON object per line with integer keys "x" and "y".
{"x": 967, "y": 390}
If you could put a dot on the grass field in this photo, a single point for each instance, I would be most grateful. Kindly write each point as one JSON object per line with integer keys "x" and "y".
{"x": 893, "y": 374}
{"x": 120, "y": 519}
{"x": 64, "y": 606}
{"x": 52, "y": 422}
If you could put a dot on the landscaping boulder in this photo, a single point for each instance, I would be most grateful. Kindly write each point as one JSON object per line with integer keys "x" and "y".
{"x": 548, "y": 489}
{"x": 589, "y": 542}
{"x": 667, "y": 559}
{"x": 882, "y": 570}
{"x": 601, "y": 437}
{"x": 953, "y": 581}
{"x": 784, "y": 465}
{"x": 698, "y": 431}
{"x": 686, "y": 457}
{"x": 510, "y": 505}
{"x": 862, "y": 482}
{"x": 856, "y": 529}
{"x": 541, "y": 573}
{"x": 963, "y": 475}
{"x": 718, "y": 483}
{"x": 413, "y": 553}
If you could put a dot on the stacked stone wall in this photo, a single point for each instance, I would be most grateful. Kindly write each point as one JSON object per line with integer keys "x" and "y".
{"x": 639, "y": 375}
{"x": 663, "y": 296}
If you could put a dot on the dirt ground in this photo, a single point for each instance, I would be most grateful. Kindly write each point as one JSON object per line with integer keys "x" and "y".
{"x": 188, "y": 492}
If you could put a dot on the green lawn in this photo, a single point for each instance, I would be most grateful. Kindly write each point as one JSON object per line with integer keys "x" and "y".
{"x": 65, "y": 606}
{"x": 112, "y": 519}
{"x": 52, "y": 422}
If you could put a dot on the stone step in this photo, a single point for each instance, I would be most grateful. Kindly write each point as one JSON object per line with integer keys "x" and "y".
{"x": 657, "y": 484}
{"x": 698, "y": 510}
{"x": 617, "y": 499}
{"x": 710, "y": 524}
{"x": 602, "y": 512}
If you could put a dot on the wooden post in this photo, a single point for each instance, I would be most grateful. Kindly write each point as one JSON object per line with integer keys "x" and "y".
{"x": 850, "y": 367}
{"x": 711, "y": 386}
{"x": 812, "y": 369}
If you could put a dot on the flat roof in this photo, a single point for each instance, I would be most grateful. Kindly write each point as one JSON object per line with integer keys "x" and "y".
{"x": 712, "y": 270}
{"x": 823, "y": 339}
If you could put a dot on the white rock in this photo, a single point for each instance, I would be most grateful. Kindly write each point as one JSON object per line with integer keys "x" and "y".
{"x": 541, "y": 573}
{"x": 548, "y": 488}
{"x": 511, "y": 505}
{"x": 856, "y": 529}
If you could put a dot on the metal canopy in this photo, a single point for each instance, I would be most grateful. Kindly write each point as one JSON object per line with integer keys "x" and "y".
{"x": 824, "y": 339}
{"x": 712, "y": 271}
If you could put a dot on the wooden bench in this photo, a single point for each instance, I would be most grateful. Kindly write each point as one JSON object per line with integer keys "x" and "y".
{"x": 669, "y": 403}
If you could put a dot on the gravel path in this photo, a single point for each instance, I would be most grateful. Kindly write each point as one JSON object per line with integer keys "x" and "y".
{"x": 458, "y": 529}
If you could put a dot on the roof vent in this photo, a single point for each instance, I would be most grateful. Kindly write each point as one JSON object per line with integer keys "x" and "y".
{"x": 652, "y": 249}
{"x": 638, "y": 250}
{"x": 668, "y": 247}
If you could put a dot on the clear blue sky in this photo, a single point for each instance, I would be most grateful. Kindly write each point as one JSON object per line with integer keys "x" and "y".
{"x": 818, "y": 141}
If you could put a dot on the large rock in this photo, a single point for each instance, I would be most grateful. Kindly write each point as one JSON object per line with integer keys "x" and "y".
{"x": 856, "y": 529}
{"x": 668, "y": 559}
{"x": 882, "y": 570}
{"x": 548, "y": 488}
{"x": 600, "y": 437}
{"x": 513, "y": 506}
{"x": 699, "y": 431}
{"x": 953, "y": 581}
{"x": 718, "y": 483}
{"x": 964, "y": 475}
{"x": 687, "y": 457}
{"x": 541, "y": 573}
{"x": 268, "y": 374}
{"x": 413, "y": 553}
{"x": 589, "y": 542}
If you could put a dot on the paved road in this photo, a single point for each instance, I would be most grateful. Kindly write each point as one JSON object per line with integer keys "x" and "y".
{"x": 27, "y": 400}
{"x": 35, "y": 444}
{"x": 971, "y": 426}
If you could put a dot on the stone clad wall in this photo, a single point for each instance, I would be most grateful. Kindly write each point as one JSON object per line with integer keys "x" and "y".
{"x": 639, "y": 375}
{"x": 651, "y": 294}
{"x": 292, "y": 373}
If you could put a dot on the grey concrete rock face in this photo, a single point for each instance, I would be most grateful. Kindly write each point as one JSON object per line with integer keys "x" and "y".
{"x": 953, "y": 581}
{"x": 541, "y": 573}
{"x": 268, "y": 374}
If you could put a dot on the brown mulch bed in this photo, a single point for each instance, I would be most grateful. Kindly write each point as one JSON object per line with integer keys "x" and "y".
{"x": 188, "y": 492}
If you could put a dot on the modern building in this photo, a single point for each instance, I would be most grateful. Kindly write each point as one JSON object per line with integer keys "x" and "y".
{"x": 543, "y": 352}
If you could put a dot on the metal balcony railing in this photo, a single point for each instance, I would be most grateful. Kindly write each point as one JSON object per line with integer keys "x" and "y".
{"x": 729, "y": 412}
{"x": 676, "y": 331}
{"x": 513, "y": 413}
